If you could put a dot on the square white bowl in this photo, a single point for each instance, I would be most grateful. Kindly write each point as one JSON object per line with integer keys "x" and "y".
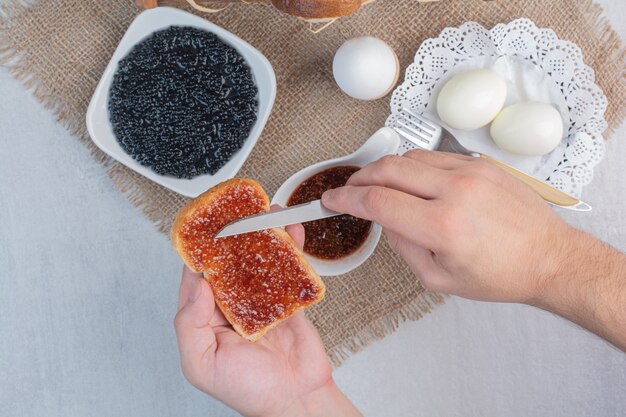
{"x": 101, "y": 130}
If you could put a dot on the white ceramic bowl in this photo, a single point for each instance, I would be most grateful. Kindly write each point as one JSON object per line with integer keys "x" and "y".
{"x": 146, "y": 23}
{"x": 384, "y": 142}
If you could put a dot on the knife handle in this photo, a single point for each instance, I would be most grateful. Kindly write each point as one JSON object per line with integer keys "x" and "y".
{"x": 546, "y": 191}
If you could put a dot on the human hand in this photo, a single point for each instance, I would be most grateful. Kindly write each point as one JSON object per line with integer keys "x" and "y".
{"x": 463, "y": 225}
{"x": 286, "y": 373}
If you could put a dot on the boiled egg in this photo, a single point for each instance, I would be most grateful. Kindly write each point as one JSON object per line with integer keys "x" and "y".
{"x": 471, "y": 99}
{"x": 366, "y": 68}
{"x": 528, "y": 128}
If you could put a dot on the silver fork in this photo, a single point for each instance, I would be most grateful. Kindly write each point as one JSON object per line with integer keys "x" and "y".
{"x": 429, "y": 135}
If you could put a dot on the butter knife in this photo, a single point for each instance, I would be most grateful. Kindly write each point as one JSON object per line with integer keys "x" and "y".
{"x": 278, "y": 218}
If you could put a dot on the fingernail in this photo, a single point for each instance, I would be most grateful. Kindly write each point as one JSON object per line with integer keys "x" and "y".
{"x": 196, "y": 290}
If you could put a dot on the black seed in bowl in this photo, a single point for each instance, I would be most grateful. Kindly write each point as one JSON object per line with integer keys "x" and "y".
{"x": 183, "y": 102}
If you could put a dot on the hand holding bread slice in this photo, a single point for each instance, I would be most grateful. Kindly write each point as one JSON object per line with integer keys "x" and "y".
{"x": 258, "y": 279}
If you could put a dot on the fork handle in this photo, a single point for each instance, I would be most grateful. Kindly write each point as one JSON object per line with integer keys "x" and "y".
{"x": 546, "y": 191}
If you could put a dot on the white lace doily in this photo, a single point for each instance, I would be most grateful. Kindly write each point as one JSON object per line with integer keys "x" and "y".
{"x": 539, "y": 66}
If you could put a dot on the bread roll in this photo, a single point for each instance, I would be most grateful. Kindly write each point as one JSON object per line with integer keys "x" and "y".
{"x": 259, "y": 279}
{"x": 317, "y": 10}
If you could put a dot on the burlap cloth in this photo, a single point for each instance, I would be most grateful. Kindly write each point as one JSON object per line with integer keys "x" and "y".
{"x": 59, "y": 49}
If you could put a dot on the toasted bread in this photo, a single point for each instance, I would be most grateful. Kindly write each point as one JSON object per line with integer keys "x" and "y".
{"x": 259, "y": 279}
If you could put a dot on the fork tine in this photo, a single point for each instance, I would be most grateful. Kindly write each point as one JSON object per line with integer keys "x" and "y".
{"x": 418, "y": 141}
{"x": 427, "y": 122}
{"x": 420, "y": 133}
{"x": 418, "y": 126}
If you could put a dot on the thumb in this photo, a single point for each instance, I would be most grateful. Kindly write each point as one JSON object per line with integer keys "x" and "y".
{"x": 195, "y": 335}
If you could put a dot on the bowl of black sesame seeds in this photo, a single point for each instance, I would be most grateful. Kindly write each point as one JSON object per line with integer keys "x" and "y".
{"x": 182, "y": 101}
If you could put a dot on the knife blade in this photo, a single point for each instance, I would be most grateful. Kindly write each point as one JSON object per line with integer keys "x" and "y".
{"x": 278, "y": 218}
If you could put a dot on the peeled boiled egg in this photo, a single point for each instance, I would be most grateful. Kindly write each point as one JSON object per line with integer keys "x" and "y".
{"x": 528, "y": 128}
{"x": 366, "y": 68}
{"x": 471, "y": 99}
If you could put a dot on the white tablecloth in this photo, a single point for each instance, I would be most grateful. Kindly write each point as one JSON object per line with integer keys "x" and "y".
{"x": 88, "y": 291}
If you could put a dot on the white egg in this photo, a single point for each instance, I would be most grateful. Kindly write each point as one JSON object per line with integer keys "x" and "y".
{"x": 471, "y": 99}
{"x": 528, "y": 128}
{"x": 366, "y": 68}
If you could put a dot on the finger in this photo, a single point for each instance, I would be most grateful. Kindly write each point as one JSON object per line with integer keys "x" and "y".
{"x": 441, "y": 160}
{"x": 481, "y": 167}
{"x": 401, "y": 213}
{"x": 403, "y": 174}
{"x": 296, "y": 231}
{"x": 459, "y": 164}
{"x": 195, "y": 335}
{"x": 421, "y": 261}
{"x": 186, "y": 285}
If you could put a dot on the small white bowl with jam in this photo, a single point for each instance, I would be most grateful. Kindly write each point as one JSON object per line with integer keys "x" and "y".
{"x": 337, "y": 245}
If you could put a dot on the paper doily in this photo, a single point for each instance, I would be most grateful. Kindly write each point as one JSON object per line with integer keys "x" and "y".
{"x": 523, "y": 47}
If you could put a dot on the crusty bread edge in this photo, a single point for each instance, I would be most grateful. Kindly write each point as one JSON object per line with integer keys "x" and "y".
{"x": 205, "y": 199}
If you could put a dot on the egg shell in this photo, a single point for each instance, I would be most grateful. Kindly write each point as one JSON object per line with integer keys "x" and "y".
{"x": 366, "y": 68}
{"x": 471, "y": 99}
{"x": 528, "y": 128}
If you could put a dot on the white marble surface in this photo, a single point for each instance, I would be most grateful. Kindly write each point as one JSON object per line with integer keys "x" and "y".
{"x": 88, "y": 292}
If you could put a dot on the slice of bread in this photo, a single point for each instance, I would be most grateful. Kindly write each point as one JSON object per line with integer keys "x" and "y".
{"x": 259, "y": 279}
